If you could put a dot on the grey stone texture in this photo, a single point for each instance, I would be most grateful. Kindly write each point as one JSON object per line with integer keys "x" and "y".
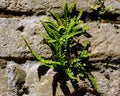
{"x": 16, "y": 79}
{"x": 3, "y": 78}
{"x": 12, "y": 45}
{"x": 114, "y": 4}
{"x": 38, "y": 7}
{"x": 104, "y": 41}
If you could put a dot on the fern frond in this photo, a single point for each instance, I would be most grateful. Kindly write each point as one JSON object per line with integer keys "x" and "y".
{"x": 70, "y": 74}
{"x": 84, "y": 54}
{"x": 72, "y": 7}
{"x": 47, "y": 29}
{"x": 56, "y": 16}
{"x": 60, "y": 28}
{"x": 38, "y": 57}
{"x": 52, "y": 22}
{"x": 52, "y": 26}
{"x": 77, "y": 27}
{"x": 32, "y": 51}
{"x": 93, "y": 81}
{"x": 52, "y": 33}
{"x": 85, "y": 28}
{"x": 51, "y": 41}
{"x": 65, "y": 13}
{"x": 70, "y": 26}
{"x": 67, "y": 36}
{"x": 75, "y": 60}
{"x": 79, "y": 15}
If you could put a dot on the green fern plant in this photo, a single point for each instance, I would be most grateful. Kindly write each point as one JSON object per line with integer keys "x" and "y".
{"x": 60, "y": 37}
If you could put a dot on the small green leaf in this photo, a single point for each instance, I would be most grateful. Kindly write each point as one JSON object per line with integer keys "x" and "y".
{"x": 96, "y": 7}
{"x": 65, "y": 8}
{"x": 93, "y": 81}
{"x": 80, "y": 75}
{"x": 77, "y": 27}
{"x": 79, "y": 15}
{"x": 60, "y": 28}
{"x": 69, "y": 27}
{"x": 70, "y": 74}
{"x": 68, "y": 36}
{"x": 85, "y": 28}
{"x": 52, "y": 22}
{"x": 52, "y": 33}
{"x": 84, "y": 54}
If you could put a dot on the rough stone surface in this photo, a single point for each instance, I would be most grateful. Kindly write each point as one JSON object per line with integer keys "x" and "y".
{"x": 16, "y": 79}
{"x": 108, "y": 80}
{"x": 114, "y": 4}
{"x": 32, "y": 86}
{"x": 3, "y": 78}
{"x": 109, "y": 86}
{"x": 36, "y": 86}
{"x": 40, "y": 6}
{"x": 105, "y": 41}
{"x": 30, "y": 7}
{"x": 12, "y": 45}
{"x": 3, "y": 63}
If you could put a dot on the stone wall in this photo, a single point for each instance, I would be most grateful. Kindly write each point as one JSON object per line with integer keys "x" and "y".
{"x": 19, "y": 69}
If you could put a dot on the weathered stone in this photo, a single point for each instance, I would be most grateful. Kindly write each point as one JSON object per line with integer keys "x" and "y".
{"x": 37, "y": 84}
{"x": 43, "y": 86}
{"x": 3, "y": 63}
{"x": 43, "y": 6}
{"x": 109, "y": 87}
{"x": 16, "y": 79}
{"x": 13, "y": 46}
{"x": 3, "y": 4}
{"x": 113, "y": 6}
{"x": 105, "y": 43}
{"x": 3, "y": 78}
{"x": 34, "y": 86}
{"x": 3, "y": 82}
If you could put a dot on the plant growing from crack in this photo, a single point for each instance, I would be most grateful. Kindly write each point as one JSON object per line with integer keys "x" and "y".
{"x": 69, "y": 57}
{"x": 99, "y": 9}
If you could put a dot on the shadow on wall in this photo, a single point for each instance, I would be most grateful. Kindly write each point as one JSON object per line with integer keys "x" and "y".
{"x": 62, "y": 79}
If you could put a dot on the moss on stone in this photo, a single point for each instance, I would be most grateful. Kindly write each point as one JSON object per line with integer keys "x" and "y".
{"x": 20, "y": 75}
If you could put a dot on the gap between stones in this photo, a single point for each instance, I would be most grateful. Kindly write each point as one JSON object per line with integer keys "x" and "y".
{"x": 108, "y": 17}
